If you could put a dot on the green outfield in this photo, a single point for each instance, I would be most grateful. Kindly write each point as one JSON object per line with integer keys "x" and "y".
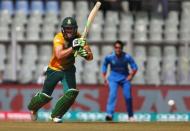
{"x": 94, "y": 126}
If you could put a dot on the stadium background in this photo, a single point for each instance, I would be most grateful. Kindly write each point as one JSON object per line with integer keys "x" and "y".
{"x": 156, "y": 32}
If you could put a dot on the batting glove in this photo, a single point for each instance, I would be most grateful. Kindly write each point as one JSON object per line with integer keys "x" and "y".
{"x": 82, "y": 52}
{"x": 77, "y": 43}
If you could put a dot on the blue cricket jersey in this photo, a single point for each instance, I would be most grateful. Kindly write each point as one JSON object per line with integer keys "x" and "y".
{"x": 119, "y": 66}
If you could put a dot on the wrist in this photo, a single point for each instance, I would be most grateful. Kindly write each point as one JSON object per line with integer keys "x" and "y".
{"x": 75, "y": 48}
{"x": 129, "y": 77}
{"x": 104, "y": 75}
{"x": 89, "y": 55}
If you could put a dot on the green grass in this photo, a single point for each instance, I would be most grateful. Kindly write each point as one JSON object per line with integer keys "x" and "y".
{"x": 94, "y": 126}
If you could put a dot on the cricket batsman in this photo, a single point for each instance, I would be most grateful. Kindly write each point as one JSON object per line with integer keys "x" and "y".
{"x": 61, "y": 68}
{"x": 120, "y": 75}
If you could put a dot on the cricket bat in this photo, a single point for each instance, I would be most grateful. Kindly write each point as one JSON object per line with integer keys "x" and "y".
{"x": 89, "y": 21}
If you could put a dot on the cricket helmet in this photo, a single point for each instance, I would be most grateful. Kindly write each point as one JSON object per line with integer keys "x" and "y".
{"x": 69, "y": 28}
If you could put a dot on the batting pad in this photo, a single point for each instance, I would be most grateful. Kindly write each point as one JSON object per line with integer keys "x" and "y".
{"x": 39, "y": 100}
{"x": 64, "y": 103}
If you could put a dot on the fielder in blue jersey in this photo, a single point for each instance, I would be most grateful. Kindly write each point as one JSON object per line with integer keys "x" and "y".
{"x": 120, "y": 75}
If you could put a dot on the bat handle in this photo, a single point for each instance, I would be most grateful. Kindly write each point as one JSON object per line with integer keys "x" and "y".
{"x": 76, "y": 53}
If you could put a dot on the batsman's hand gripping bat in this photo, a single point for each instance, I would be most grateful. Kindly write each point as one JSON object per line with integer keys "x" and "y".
{"x": 89, "y": 21}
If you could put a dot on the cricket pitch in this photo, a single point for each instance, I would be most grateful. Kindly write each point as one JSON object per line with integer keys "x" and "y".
{"x": 94, "y": 126}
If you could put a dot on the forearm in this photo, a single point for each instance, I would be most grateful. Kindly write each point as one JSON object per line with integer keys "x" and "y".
{"x": 131, "y": 75}
{"x": 104, "y": 74}
{"x": 89, "y": 56}
{"x": 104, "y": 68}
{"x": 64, "y": 53}
{"x": 133, "y": 72}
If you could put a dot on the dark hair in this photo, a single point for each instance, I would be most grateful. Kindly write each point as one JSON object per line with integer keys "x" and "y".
{"x": 119, "y": 42}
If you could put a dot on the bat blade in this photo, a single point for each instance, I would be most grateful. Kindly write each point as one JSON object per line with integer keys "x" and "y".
{"x": 90, "y": 19}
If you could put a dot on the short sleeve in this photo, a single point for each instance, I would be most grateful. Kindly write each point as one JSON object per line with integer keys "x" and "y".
{"x": 58, "y": 41}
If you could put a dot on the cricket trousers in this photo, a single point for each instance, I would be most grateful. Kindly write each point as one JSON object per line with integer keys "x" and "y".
{"x": 112, "y": 98}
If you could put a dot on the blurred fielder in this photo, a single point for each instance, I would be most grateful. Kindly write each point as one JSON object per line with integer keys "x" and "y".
{"x": 120, "y": 75}
{"x": 61, "y": 68}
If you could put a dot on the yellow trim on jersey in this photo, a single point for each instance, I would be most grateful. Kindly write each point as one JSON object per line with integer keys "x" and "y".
{"x": 53, "y": 68}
